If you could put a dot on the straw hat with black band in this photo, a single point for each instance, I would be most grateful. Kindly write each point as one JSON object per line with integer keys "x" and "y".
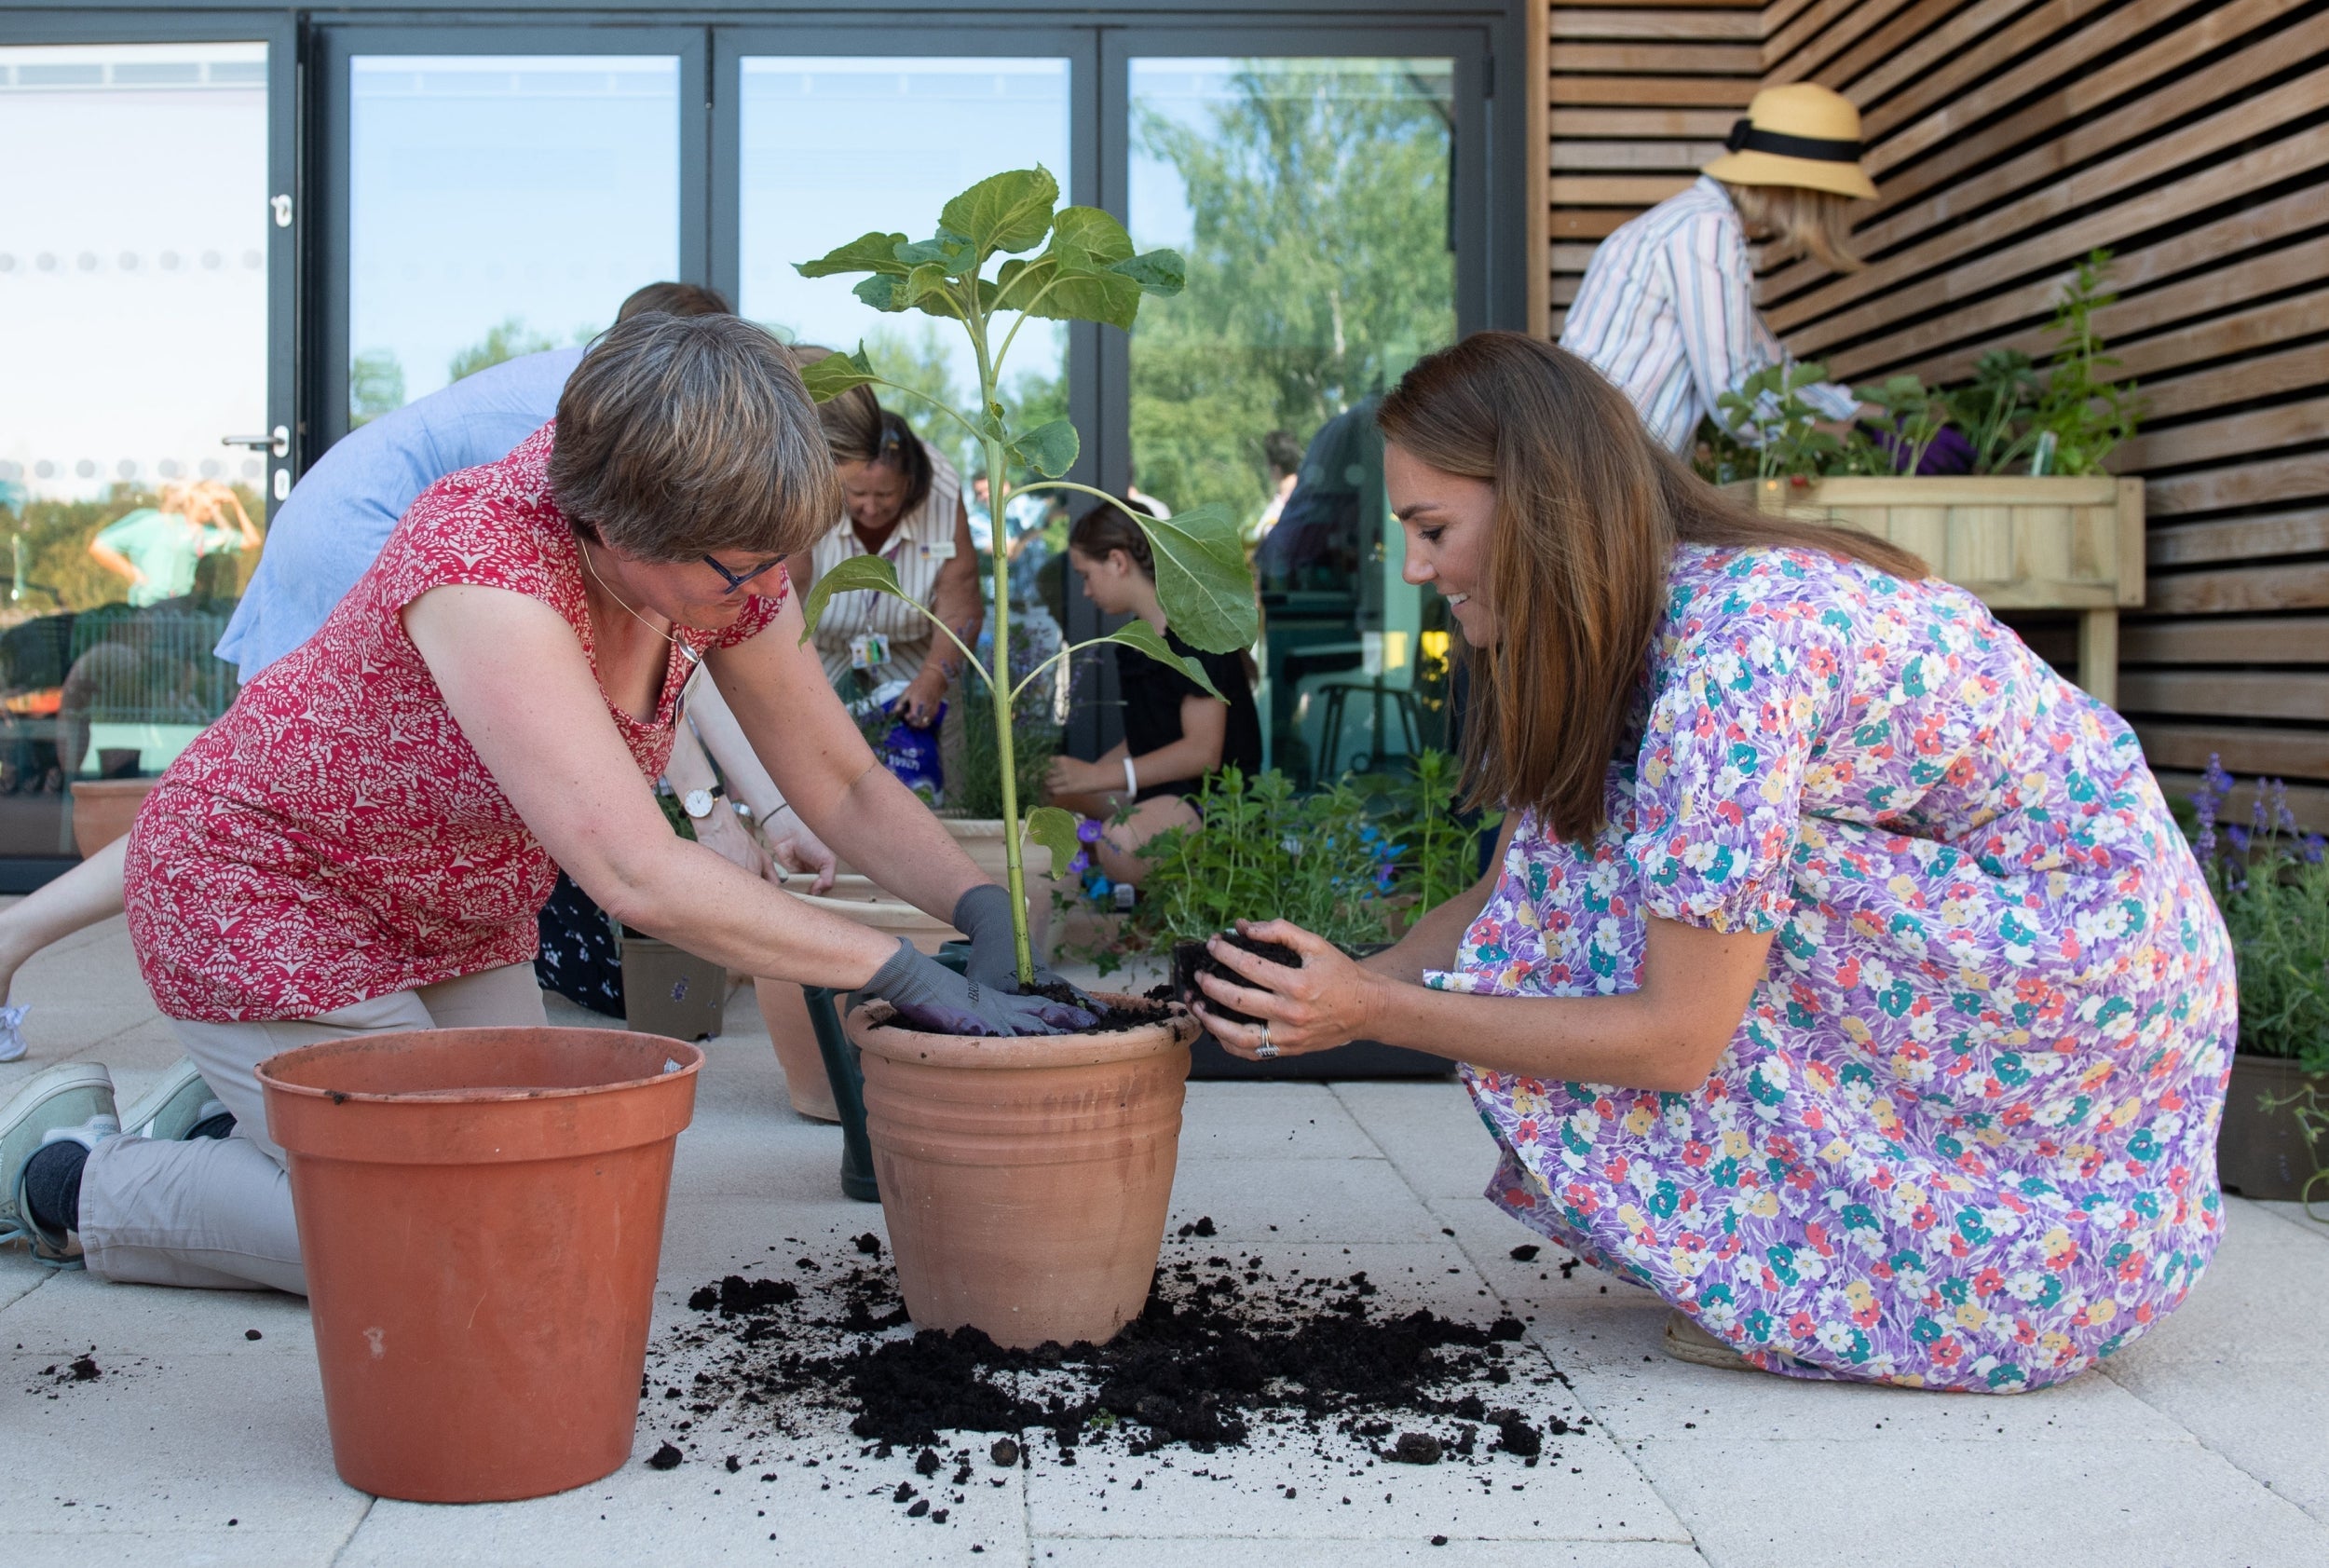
{"x": 1802, "y": 135}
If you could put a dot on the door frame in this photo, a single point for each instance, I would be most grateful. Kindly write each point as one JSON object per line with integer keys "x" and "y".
{"x": 338, "y": 41}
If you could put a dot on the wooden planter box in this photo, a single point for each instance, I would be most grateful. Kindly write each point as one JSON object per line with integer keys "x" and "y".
{"x": 2019, "y": 543}
{"x": 2260, "y": 1152}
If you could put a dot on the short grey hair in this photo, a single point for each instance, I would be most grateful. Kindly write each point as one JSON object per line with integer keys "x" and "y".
{"x": 687, "y": 436}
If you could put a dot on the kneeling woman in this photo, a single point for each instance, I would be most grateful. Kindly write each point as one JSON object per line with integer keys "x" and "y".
{"x": 361, "y": 843}
{"x": 1844, "y": 979}
{"x": 1176, "y": 734}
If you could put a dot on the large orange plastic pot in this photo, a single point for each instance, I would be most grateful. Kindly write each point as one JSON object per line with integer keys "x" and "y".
{"x": 1025, "y": 1182}
{"x": 480, "y": 1214}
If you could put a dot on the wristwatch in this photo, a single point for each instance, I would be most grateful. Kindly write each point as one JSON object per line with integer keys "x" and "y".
{"x": 698, "y": 803}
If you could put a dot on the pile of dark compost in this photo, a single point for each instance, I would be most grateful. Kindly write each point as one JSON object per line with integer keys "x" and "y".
{"x": 1114, "y": 1018}
{"x": 1192, "y": 959}
{"x": 1223, "y": 1351}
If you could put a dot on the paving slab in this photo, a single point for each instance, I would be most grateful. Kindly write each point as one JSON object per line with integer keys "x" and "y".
{"x": 1429, "y": 1131}
{"x": 1301, "y": 1200}
{"x": 72, "y": 1311}
{"x": 172, "y": 1444}
{"x": 1919, "y": 1503}
{"x": 1238, "y": 1120}
{"x": 1213, "y": 1551}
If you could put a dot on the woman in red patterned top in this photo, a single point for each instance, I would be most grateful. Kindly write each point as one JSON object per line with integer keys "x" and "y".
{"x": 361, "y": 843}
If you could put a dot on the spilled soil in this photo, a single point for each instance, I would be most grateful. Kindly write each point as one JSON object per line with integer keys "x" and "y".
{"x": 1227, "y": 1353}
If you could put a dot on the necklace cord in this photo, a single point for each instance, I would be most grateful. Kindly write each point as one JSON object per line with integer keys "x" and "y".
{"x": 690, "y": 654}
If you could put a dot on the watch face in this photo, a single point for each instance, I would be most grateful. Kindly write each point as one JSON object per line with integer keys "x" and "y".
{"x": 698, "y": 803}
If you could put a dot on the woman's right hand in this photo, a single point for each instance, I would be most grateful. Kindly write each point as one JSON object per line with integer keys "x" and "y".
{"x": 796, "y": 850}
{"x": 927, "y": 992}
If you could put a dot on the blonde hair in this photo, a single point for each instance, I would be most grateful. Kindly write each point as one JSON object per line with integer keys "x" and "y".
{"x": 1794, "y": 221}
{"x": 1589, "y": 509}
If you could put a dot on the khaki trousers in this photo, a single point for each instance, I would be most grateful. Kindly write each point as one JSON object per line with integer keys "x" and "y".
{"x": 216, "y": 1213}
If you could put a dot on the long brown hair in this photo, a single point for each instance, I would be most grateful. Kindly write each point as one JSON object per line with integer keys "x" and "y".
{"x": 1589, "y": 509}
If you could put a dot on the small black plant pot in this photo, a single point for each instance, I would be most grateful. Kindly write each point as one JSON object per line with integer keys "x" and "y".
{"x": 1359, "y": 1060}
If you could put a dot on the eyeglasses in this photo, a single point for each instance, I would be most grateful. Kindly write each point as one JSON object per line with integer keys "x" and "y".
{"x": 735, "y": 581}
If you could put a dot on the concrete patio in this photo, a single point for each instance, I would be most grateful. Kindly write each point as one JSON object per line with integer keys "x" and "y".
{"x": 197, "y": 1444}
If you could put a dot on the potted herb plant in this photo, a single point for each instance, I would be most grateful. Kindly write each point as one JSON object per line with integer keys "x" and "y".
{"x": 2036, "y": 524}
{"x": 2272, "y": 885}
{"x": 1352, "y": 867}
{"x": 1025, "y": 1182}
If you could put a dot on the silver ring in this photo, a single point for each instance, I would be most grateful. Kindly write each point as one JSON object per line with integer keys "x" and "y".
{"x": 1265, "y": 1050}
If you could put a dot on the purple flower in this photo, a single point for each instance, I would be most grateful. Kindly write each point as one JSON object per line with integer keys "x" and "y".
{"x": 1082, "y": 863}
{"x": 2238, "y": 836}
{"x": 2311, "y": 847}
{"x": 1089, "y": 830}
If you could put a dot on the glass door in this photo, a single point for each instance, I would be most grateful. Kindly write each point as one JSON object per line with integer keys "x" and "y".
{"x": 1320, "y": 200}
{"x": 498, "y": 192}
{"x": 145, "y": 250}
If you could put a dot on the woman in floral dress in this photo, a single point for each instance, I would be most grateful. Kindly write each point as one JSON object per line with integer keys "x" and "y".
{"x": 1844, "y": 979}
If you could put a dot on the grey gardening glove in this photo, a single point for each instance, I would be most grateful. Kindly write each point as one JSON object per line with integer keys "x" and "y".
{"x": 927, "y": 992}
{"x": 984, "y": 915}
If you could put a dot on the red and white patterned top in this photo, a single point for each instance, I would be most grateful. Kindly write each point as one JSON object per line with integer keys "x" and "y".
{"x": 335, "y": 836}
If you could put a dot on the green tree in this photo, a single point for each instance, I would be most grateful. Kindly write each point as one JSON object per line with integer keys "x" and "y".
{"x": 376, "y": 386}
{"x": 1322, "y": 267}
{"x": 506, "y": 339}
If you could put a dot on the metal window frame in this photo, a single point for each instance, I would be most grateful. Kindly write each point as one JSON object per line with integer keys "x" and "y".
{"x": 285, "y": 259}
{"x": 339, "y": 41}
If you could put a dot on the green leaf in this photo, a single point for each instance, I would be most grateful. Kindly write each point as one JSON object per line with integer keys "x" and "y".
{"x": 926, "y": 289}
{"x": 1088, "y": 237}
{"x": 1006, "y": 211}
{"x": 883, "y": 291}
{"x": 1054, "y": 829}
{"x": 1202, "y": 578}
{"x": 858, "y": 574}
{"x": 836, "y": 373}
{"x": 1139, "y": 633}
{"x": 949, "y": 251}
{"x": 1050, "y": 449}
{"x": 1083, "y": 295}
{"x": 867, "y": 253}
{"x": 1157, "y": 272}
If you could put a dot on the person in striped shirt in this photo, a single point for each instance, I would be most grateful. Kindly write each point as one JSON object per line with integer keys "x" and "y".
{"x": 1667, "y": 310}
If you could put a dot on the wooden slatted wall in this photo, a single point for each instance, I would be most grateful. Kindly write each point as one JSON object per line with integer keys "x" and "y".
{"x": 2008, "y": 138}
{"x": 1640, "y": 94}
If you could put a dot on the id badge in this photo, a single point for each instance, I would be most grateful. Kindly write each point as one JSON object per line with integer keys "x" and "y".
{"x": 868, "y": 650}
{"x": 939, "y": 550}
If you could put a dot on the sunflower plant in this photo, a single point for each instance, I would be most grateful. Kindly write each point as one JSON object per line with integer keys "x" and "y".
{"x": 1050, "y": 263}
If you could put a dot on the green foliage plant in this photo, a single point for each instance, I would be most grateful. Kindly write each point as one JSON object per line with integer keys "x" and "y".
{"x": 2065, "y": 422}
{"x": 2085, "y": 411}
{"x": 1052, "y": 262}
{"x": 1338, "y": 862}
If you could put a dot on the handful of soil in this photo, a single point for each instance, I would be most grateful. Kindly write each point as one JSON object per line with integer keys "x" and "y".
{"x": 1190, "y": 959}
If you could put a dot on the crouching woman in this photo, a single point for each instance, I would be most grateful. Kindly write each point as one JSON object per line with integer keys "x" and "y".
{"x": 361, "y": 843}
{"x": 1842, "y": 977}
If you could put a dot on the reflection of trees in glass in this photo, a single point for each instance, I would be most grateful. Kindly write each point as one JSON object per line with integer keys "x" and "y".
{"x": 1320, "y": 268}
{"x": 505, "y": 340}
{"x": 59, "y": 573}
{"x": 376, "y": 386}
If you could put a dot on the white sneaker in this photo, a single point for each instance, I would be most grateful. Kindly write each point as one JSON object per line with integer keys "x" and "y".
{"x": 13, "y": 1032}
{"x": 173, "y": 1107}
{"x": 73, "y": 1101}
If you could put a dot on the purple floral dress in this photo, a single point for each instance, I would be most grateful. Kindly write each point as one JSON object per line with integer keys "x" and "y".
{"x": 1965, "y": 1137}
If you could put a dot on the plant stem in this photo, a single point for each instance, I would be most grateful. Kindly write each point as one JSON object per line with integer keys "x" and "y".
{"x": 1006, "y": 756}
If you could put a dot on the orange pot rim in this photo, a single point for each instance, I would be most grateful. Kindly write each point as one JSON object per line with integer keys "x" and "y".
{"x": 690, "y": 1057}
{"x": 868, "y": 1026}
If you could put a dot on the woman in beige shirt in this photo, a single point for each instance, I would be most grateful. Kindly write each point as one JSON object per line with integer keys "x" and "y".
{"x": 904, "y": 503}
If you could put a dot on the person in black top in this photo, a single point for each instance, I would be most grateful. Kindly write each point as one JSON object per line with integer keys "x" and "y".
{"x": 1175, "y": 733}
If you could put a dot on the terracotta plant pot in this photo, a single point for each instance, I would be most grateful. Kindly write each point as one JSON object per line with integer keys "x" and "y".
{"x": 103, "y": 809}
{"x": 784, "y": 1008}
{"x": 1025, "y": 1180}
{"x": 480, "y": 1213}
{"x": 2260, "y": 1152}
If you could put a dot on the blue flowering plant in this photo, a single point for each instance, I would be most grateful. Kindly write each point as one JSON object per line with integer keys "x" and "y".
{"x": 2271, "y": 881}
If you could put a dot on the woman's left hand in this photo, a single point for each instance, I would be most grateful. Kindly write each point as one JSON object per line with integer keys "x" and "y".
{"x": 1323, "y": 1005}
{"x": 918, "y": 706}
{"x": 1069, "y": 775}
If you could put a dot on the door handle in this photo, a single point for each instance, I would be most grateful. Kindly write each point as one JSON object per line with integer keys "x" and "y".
{"x": 279, "y": 444}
